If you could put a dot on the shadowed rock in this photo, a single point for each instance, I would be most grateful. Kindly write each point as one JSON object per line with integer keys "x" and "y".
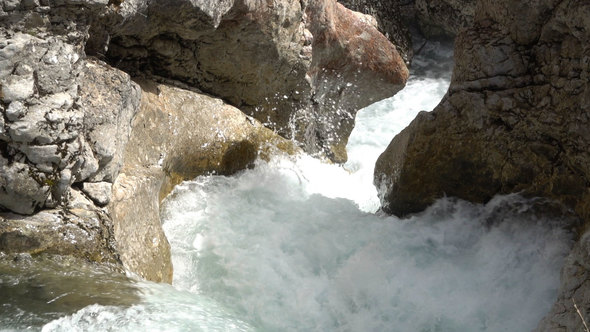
{"x": 514, "y": 120}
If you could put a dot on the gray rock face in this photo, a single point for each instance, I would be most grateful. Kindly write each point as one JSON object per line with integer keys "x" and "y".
{"x": 512, "y": 120}
{"x": 51, "y": 126}
{"x": 445, "y": 17}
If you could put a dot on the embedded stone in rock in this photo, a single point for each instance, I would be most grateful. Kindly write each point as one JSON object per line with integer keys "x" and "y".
{"x": 99, "y": 192}
{"x": 19, "y": 192}
{"x": 17, "y": 87}
{"x": 15, "y": 110}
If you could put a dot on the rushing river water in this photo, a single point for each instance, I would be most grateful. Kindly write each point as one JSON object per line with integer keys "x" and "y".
{"x": 295, "y": 245}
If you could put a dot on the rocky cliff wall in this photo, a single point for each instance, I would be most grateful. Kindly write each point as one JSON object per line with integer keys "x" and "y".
{"x": 514, "y": 120}
{"x": 86, "y": 153}
{"x": 274, "y": 60}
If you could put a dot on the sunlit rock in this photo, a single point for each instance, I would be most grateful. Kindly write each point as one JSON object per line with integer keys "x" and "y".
{"x": 445, "y": 17}
{"x": 513, "y": 120}
{"x": 177, "y": 135}
{"x": 391, "y": 18}
{"x": 303, "y": 68}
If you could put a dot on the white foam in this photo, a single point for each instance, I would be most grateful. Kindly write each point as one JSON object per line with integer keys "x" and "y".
{"x": 293, "y": 245}
{"x": 285, "y": 258}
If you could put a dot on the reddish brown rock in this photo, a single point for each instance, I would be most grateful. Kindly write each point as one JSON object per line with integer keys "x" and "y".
{"x": 353, "y": 66}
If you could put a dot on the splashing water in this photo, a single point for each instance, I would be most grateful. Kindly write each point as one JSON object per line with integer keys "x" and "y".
{"x": 295, "y": 245}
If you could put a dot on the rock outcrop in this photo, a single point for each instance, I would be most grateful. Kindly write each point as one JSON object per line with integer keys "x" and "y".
{"x": 53, "y": 126}
{"x": 440, "y": 18}
{"x": 277, "y": 62}
{"x": 391, "y": 18}
{"x": 177, "y": 135}
{"x": 86, "y": 154}
{"x": 514, "y": 118}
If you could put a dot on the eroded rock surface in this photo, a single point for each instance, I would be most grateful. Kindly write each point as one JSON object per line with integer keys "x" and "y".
{"x": 445, "y": 17}
{"x": 514, "y": 119}
{"x": 177, "y": 135}
{"x": 288, "y": 64}
{"x": 59, "y": 111}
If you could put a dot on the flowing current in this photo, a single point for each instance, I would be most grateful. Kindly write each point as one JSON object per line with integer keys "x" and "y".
{"x": 295, "y": 245}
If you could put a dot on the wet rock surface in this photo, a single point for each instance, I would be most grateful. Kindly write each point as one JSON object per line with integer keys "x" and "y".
{"x": 392, "y": 20}
{"x": 279, "y": 63}
{"x": 177, "y": 135}
{"x": 73, "y": 133}
{"x": 511, "y": 121}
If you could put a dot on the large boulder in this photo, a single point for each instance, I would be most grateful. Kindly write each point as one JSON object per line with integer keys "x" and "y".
{"x": 391, "y": 18}
{"x": 177, "y": 135}
{"x": 85, "y": 152}
{"x": 514, "y": 119}
{"x": 279, "y": 63}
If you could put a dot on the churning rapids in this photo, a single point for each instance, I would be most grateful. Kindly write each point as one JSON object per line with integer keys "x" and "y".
{"x": 295, "y": 245}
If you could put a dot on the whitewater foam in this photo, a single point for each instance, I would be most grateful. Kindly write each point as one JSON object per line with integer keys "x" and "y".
{"x": 294, "y": 245}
